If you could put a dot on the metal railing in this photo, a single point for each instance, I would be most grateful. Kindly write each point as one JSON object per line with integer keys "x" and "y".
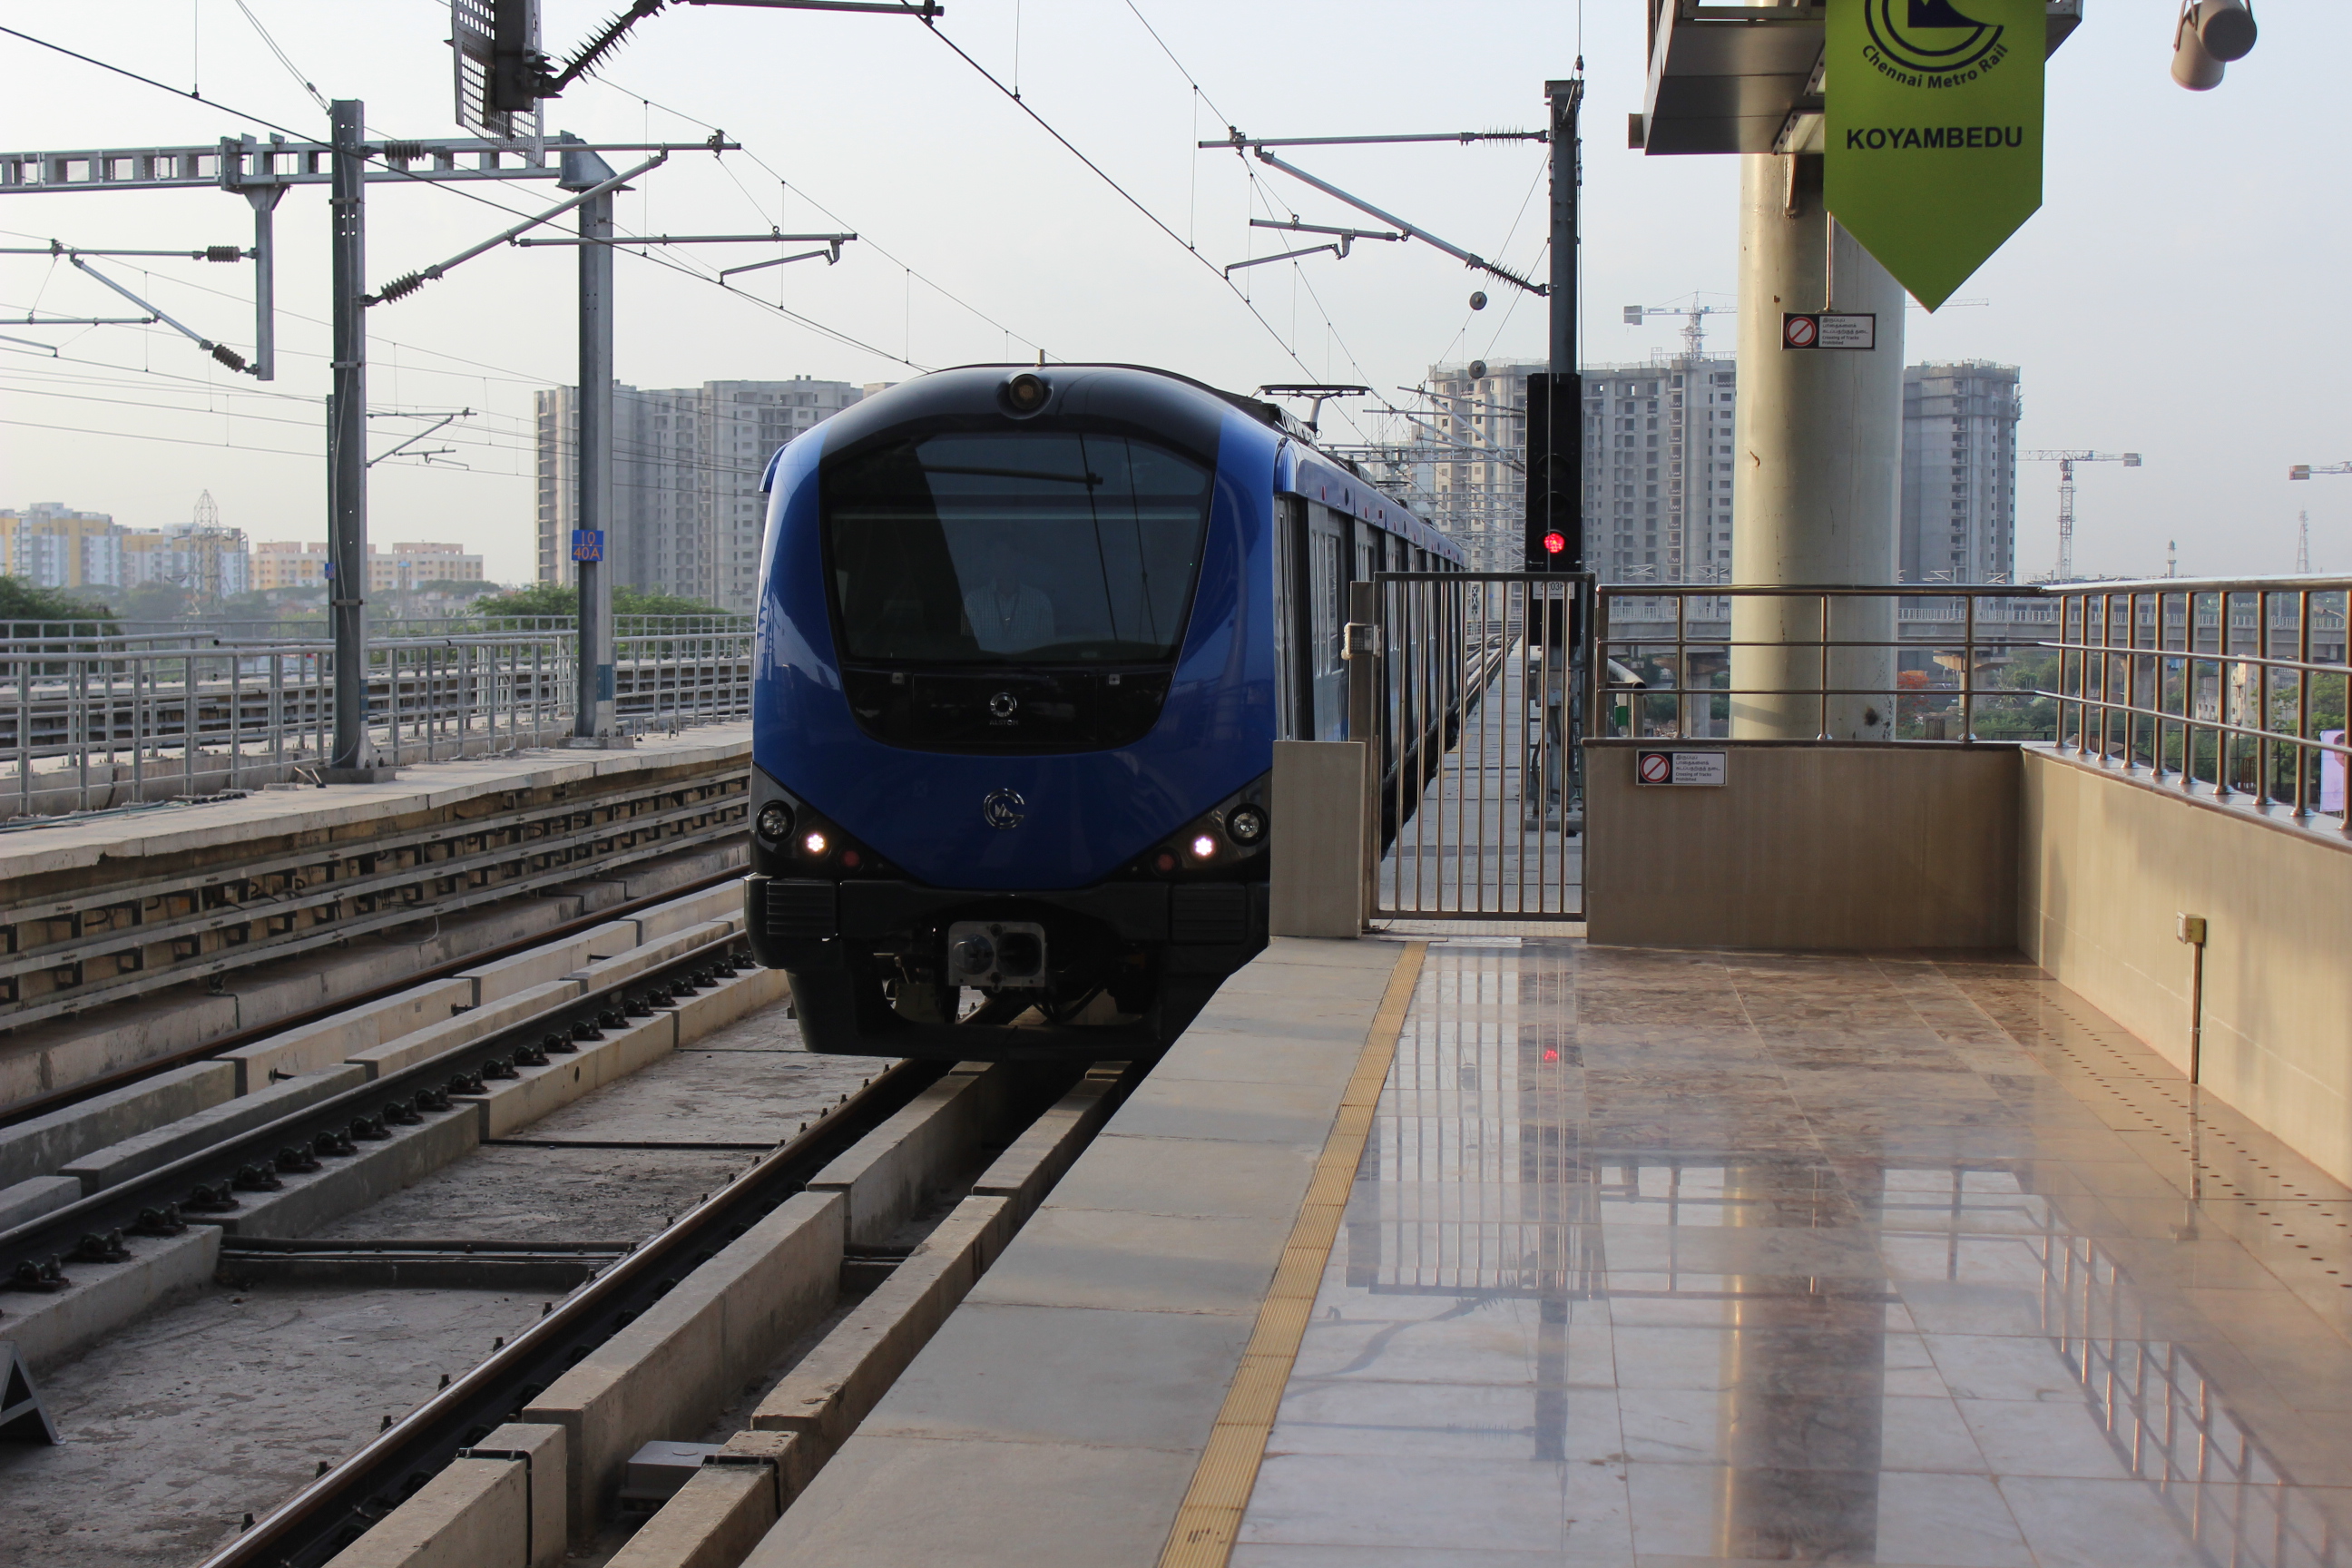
{"x": 1474, "y": 724}
{"x": 2225, "y": 684}
{"x": 2230, "y": 688}
{"x": 91, "y": 719}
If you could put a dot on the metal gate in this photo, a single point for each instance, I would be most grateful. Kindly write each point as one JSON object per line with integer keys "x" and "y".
{"x": 1474, "y": 693}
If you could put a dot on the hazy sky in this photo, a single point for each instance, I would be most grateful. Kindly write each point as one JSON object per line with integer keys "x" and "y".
{"x": 2176, "y": 295}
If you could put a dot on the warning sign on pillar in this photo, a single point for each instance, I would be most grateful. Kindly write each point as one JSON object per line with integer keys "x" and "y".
{"x": 1829, "y": 329}
{"x": 1704, "y": 769}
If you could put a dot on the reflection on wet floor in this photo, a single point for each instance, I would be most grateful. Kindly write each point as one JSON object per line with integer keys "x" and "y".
{"x": 1682, "y": 1259}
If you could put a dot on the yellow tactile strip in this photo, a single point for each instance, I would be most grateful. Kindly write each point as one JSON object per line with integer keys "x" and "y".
{"x": 1211, "y": 1515}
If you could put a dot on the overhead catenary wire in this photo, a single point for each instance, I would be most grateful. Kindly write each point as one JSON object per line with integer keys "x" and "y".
{"x": 1124, "y": 194}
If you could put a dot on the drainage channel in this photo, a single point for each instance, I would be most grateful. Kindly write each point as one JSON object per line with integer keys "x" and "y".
{"x": 813, "y": 1275}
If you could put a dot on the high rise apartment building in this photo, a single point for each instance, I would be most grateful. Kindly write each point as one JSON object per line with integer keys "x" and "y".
{"x": 1657, "y": 467}
{"x": 686, "y": 464}
{"x": 1660, "y": 465}
{"x": 1959, "y": 473}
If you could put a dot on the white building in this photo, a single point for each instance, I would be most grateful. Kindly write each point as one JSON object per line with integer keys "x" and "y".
{"x": 689, "y": 514}
{"x": 1659, "y": 467}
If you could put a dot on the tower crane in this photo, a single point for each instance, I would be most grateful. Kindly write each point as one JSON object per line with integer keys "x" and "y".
{"x": 1693, "y": 321}
{"x": 2066, "y": 461}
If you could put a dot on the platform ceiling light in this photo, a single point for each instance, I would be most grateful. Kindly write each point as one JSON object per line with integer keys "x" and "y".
{"x": 2210, "y": 34}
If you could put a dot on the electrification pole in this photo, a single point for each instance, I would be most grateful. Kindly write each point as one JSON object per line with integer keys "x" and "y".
{"x": 352, "y": 759}
{"x": 594, "y": 541}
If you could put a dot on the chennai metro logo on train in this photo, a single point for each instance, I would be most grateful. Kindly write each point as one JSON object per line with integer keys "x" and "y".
{"x": 1003, "y": 808}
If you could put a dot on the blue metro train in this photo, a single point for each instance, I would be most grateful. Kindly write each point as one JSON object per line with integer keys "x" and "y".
{"x": 1026, "y": 638}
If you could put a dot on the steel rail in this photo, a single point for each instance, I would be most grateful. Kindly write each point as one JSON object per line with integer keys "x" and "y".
{"x": 25, "y": 1110}
{"x": 338, "y": 1507}
{"x": 157, "y": 1201}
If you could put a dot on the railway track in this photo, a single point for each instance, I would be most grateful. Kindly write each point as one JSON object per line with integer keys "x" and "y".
{"x": 407, "y": 1257}
{"x": 39, "y": 1105}
{"x": 339, "y": 1506}
{"x": 216, "y": 1183}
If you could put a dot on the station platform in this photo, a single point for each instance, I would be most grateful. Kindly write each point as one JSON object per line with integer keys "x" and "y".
{"x": 1492, "y": 1250}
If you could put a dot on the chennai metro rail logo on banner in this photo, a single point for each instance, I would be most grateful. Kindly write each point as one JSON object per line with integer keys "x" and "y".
{"x": 1932, "y": 142}
{"x": 1930, "y": 37}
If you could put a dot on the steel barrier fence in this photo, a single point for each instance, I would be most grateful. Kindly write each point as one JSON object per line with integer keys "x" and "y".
{"x": 2232, "y": 687}
{"x": 1475, "y": 723}
{"x": 96, "y": 720}
{"x": 2221, "y": 683}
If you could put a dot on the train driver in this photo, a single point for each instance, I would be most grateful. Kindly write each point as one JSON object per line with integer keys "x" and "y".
{"x": 1007, "y": 614}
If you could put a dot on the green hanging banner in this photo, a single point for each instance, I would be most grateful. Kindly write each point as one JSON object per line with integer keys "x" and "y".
{"x": 1934, "y": 131}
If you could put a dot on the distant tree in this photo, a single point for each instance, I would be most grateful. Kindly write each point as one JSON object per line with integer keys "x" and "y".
{"x": 155, "y": 602}
{"x": 557, "y": 599}
{"x": 21, "y": 601}
{"x": 461, "y": 587}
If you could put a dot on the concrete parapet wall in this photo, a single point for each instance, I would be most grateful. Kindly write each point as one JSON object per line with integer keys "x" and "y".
{"x": 2112, "y": 860}
{"x": 1806, "y": 847}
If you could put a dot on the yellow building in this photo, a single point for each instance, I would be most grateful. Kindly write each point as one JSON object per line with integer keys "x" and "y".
{"x": 289, "y": 563}
{"x": 50, "y": 545}
{"x": 412, "y": 565}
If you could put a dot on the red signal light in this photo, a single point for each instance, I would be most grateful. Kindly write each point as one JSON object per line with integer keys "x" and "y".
{"x": 1554, "y": 543}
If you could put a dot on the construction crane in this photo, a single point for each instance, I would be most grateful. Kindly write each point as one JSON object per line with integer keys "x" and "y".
{"x": 2066, "y": 461}
{"x": 1694, "y": 320}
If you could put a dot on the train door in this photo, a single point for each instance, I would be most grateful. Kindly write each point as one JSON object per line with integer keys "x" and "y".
{"x": 1294, "y": 680}
{"x": 1327, "y": 595}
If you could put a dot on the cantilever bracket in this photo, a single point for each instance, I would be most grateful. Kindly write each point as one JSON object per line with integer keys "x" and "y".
{"x": 1259, "y": 148}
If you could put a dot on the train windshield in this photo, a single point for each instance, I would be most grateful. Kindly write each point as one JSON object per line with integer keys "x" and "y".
{"x": 1015, "y": 547}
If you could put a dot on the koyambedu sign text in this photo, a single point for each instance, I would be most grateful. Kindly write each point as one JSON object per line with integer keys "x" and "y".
{"x": 1934, "y": 132}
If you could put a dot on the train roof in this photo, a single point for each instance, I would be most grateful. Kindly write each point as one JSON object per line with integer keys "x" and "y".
{"x": 1303, "y": 469}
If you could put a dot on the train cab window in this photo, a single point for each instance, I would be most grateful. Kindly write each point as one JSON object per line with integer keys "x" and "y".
{"x": 1025, "y": 547}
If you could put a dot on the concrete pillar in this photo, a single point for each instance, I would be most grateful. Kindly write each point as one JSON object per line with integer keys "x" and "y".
{"x": 1819, "y": 451}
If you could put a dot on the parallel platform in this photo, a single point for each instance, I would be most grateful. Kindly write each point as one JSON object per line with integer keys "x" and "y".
{"x": 1490, "y": 1250}
{"x": 158, "y": 832}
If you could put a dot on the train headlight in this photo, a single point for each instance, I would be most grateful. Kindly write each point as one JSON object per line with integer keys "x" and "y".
{"x": 775, "y": 822}
{"x": 814, "y": 843}
{"x": 1246, "y": 825}
{"x": 1026, "y": 393}
{"x": 1204, "y": 847}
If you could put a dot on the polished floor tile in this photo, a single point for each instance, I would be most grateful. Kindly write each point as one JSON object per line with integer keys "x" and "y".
{"x": 1691, "y": 1260}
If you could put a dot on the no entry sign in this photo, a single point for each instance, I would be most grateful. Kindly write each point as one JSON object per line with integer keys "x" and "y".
{"x": 1829, "y": 329}
{"x": 1701, "y": 768}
